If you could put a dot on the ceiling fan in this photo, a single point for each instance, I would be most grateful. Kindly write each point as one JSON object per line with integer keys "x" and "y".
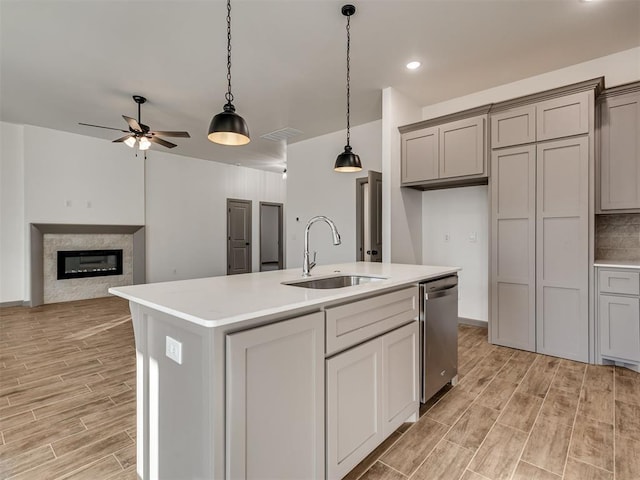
{"x": 140, "y": 133}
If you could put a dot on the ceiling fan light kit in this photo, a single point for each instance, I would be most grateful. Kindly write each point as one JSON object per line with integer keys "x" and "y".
{"x": 348, "y": 161}
{"x": 227, "y": 127}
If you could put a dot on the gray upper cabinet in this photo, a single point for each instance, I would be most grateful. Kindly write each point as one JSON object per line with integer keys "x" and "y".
{"x": 620, "y": 149}
{"x": 446, "y": 151}
{"x": 513, "y": 127}
{"x": 420, "y": 155}
{"x": 462, "y": 148}
{"x": 563, "y": 117}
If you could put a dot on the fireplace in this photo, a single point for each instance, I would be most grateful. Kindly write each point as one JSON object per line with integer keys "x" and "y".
{"x": 89, "y": 263}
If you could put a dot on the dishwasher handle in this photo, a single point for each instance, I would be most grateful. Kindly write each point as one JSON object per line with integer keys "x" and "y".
{"x": 451, "y": 290}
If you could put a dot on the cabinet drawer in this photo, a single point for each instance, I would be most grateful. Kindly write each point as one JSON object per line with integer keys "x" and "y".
{"x": 513, "y": 127}
{"x": 355, "y": 322}
{"x": 563, "y": 117}
{"x": 619, "y": 282}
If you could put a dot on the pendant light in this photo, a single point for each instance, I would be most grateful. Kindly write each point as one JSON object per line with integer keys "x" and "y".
{"x": 348, "y": 161}
{"x": 227, "y": 127}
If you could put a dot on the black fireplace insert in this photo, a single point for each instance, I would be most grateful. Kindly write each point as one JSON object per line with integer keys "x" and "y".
{"x": 89, "y": 263}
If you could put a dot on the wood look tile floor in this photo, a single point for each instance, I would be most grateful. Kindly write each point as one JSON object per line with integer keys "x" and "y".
{"x": 67, "y": 408}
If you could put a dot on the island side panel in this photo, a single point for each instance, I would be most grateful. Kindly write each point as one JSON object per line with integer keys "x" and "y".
{"x": 177, "y": 415}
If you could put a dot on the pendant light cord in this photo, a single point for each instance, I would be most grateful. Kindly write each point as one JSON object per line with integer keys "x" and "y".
{"x": 229, "y": 96}
{"x": 348, "y": 79}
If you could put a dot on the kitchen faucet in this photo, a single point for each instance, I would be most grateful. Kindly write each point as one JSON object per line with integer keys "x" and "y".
{"x": 307, "y": 264}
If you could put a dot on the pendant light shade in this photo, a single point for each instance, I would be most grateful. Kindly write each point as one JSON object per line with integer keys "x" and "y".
{"x": 227, "y": 127}
{"x": 348, "y": 161}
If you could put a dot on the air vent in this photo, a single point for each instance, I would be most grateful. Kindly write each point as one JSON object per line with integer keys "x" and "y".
{"x": 282, "y": 134}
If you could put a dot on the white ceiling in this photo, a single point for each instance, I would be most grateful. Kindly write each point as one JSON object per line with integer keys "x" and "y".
{"x": 64, "y": 62}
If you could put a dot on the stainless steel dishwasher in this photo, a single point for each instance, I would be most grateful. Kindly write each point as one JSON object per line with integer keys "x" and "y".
{"x": 438, "y": 334}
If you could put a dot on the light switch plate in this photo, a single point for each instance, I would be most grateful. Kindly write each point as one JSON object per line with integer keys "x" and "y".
{"x": 174, "y": 350}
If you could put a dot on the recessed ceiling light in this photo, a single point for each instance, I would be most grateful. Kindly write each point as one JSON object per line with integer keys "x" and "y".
{"x": 413, "y": 65}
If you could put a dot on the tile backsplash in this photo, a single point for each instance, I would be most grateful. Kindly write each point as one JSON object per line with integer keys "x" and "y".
{"x": 618, "y": 237}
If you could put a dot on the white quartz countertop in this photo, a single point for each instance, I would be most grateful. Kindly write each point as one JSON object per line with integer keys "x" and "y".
{"x": 218, "y": 301}
{"x": 617, "y": 263}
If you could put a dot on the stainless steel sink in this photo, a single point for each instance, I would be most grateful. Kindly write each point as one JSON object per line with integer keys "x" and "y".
{"x": 338, "y": 281}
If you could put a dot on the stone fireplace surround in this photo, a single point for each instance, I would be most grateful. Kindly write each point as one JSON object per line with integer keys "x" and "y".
{"x": 38, "y": 230}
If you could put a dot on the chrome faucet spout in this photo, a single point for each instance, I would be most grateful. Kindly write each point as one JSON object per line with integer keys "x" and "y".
{"x": 307, "y": 264}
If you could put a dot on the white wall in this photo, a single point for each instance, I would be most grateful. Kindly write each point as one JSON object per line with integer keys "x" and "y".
{"x": 453, "y": 211}
{"x": 314, "y": 188}
{"x": 12, "y": 229}
{"x": 75, "y": 179}
{"x": 401, "y": 223}
{"x": 186, "y": 213}
{"x": 455, "y": 231}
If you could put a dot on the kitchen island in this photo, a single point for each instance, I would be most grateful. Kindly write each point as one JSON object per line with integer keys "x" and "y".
{"x": 239, "y": 376}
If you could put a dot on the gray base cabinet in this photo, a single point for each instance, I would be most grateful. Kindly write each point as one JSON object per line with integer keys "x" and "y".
{"x": 371, "y": 390}
{"x": 619, "y": 315}
{"x": 271, "y": 435}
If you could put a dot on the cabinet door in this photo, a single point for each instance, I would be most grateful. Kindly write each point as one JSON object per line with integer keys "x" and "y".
{"x": 400, "y": 376}
{"x": 563, "y": 117}
{"x": 513, "y": 127}
{"x": 354, "y": 407}
{"x": 620, "y": 327}
{"x": 620, "y": 153}
{"x": 562, "y": 244}
{"x": 513, "y": 266}
{"x": 420, "y": 155}
{"x": 462, "y": 148}
{"x": 275, "y": 400}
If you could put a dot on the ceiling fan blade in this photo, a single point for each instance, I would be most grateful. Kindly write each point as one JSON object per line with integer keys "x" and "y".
{"x": 133, "y": 123}
{"x": 162, "y": 142}
{"x": 122, "y": 139}
{"x": 172, "y": 134}
{"x": 100, "y": 126}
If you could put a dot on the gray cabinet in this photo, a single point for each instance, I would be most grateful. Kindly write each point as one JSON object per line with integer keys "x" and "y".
{"x": 449, "y": 151}
{"x": 513, "y": 248}
{"x": 354, "y": 407}
{"x": 516, "y": 126}
{"x": 271, "y": 434}
{"x": 371, "y": 390}
{"x": 541, "y": 236}
{"x": 564, "y": 116}
{"x": 562, "y": 248}
{"x": 420, "y": 150}
{"x": 561, "y": 117}
{"x": 619, "y": 315}
{"x": 462, "y": 148}
{"x": 619, "y": 165}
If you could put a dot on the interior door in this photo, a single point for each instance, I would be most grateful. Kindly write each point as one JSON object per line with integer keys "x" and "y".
{"x": 238, "y": 236}
{"x": 375, "y": 216}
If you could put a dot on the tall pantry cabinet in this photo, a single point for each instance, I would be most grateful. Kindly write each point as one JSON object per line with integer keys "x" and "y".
{"x": 542, "y": 205}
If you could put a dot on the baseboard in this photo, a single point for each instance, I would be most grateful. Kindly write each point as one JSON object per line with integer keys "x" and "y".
{"x": 16, "y": 303}
{"x": 473, "y": 322}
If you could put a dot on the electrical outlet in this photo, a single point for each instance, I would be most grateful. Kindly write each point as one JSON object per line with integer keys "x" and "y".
{"x": 447, "y": 237}
{"x": 473, "y": 237}
{"x": 174, "y": 350}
